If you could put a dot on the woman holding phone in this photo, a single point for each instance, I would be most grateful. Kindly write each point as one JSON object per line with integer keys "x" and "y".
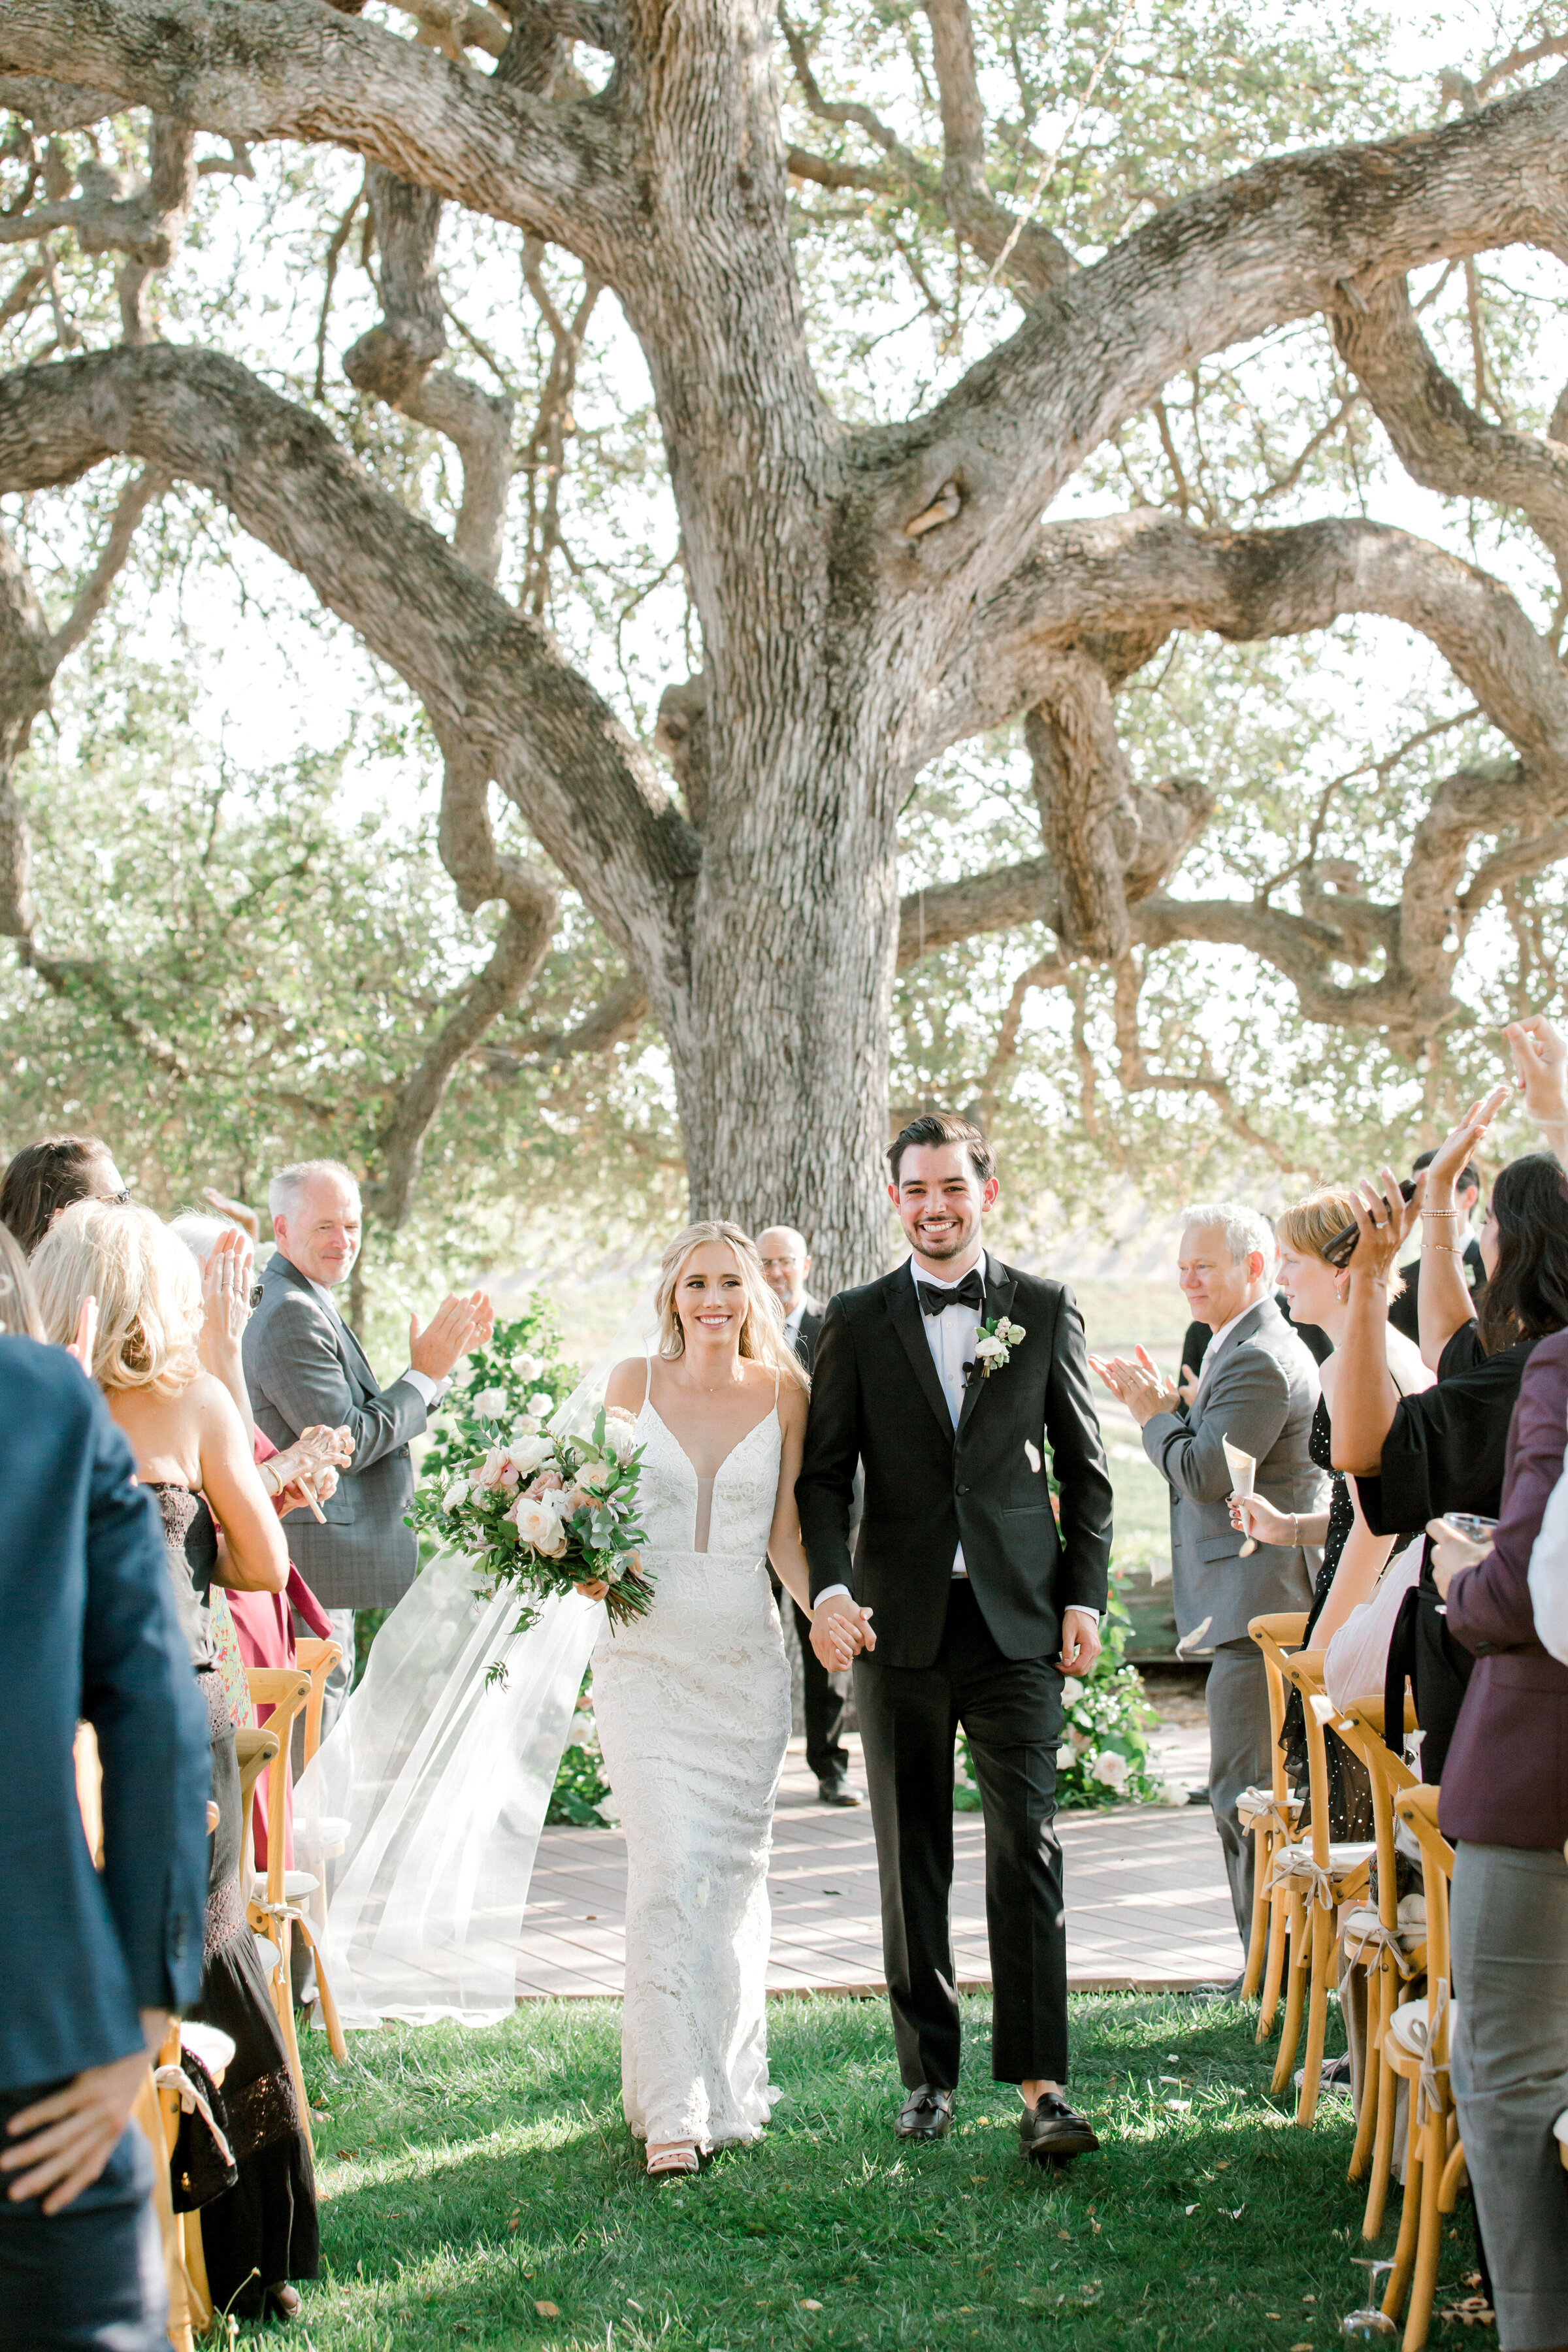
{"x": 1416, "y": 1457}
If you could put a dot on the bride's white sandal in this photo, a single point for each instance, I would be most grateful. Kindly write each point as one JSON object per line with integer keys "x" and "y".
{"x": 678, "y": 2156}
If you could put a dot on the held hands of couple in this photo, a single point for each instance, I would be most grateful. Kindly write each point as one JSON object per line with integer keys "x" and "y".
{"x": 458, "y": 1325}
{"x": 1140, "y": 1384}
{"x": 840, "y": 1630}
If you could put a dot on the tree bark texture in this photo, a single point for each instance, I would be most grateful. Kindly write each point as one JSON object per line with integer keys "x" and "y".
{"x": 865, "y": 596}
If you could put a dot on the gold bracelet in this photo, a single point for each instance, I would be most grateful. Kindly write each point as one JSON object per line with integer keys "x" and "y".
{"x": 1441, "y": 1212}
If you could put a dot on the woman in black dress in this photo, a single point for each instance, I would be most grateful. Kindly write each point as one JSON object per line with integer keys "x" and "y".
{"x": 220, "y": 1526}
{"x": 1418, "y": 1458}
{"x": 1353, "y": 1558}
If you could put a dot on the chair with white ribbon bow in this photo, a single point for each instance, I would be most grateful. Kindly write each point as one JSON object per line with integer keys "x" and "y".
{"x": 1272, "y": 1814}
{"x": 1389, "y": 1942}
{"x": 1318, "y": 1876}
{"x": 1418, "y": 2035}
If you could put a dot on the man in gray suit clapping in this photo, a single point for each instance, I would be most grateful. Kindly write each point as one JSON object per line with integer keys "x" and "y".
{"x": 304, "y": 1366}
{"x": 1258, "y": 1389}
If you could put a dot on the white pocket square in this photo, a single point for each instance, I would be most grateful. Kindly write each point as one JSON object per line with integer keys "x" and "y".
{"x": 1033, "y": 1452}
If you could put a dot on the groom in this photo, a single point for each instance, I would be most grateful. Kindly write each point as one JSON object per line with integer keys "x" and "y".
{"x": 981, "y": 1607}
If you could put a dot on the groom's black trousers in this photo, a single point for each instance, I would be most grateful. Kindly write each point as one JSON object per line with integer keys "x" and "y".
{"x": 1012, "y": 1711}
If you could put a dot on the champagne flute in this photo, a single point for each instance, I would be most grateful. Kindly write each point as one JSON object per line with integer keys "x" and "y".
{"x": 1369, "y": 2325}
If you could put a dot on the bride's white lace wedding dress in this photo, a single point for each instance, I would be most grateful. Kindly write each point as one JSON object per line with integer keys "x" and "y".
{"x": 693, "y": 1708}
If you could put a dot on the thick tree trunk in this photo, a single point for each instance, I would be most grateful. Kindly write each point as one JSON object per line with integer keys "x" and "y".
{"x": 783, "y": 1104}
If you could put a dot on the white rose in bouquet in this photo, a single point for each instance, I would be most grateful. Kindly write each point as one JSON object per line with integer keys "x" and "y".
{"x": 456, "y": 1494}
{"x": 526, "y": 1454}
{"x": 538, "y": 1526}
{"x": 620, "y": 1434}
{"x": 594, "y": 1477}
{"x": 1072, "y": 1690}
{"x": 526, "y": 1367}
{"x": 488, "y": 1403}
{"x": 989, "y": 1345}
{"x": 541, "y": 1404}
{"x": 525, "y": 1425}
{"x": 1110, "y": 1769}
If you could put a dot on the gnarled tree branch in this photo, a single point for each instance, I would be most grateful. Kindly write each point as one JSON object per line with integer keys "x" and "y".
{"x": 293, "y": 70}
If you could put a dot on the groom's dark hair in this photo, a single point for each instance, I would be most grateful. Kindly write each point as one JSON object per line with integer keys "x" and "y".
{"x": 942, "y": 1127}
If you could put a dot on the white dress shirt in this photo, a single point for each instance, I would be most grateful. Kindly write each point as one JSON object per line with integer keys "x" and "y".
{"x": 420, "y": 1382}
{"x": 792, "y": 1324}
{"x": 951, "y": 1337}
{"x": 1212, "y": 1350}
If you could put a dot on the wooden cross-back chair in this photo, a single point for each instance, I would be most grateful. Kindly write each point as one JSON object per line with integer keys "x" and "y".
{"x": 1318, "y": 1874}
{"x": 1272, "y": 1814}
{"x": 1417, "y": 2042}
{"x": 1393, "y": 1954}
{"x": 274, "y": 1897}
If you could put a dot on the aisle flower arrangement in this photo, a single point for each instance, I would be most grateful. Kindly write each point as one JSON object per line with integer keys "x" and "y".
{"x": 1104, "y": 1756}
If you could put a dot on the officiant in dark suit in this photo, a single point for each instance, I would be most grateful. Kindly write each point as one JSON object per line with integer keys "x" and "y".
{"x": 786, "y": 1262}
{"x": 304, "y": 1367}
{"x": 959, "y": 1387}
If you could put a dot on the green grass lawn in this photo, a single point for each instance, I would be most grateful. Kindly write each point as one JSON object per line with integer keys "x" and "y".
{"x": 468, "y": 2178}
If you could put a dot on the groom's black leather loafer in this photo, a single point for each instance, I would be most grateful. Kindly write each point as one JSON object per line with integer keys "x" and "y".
{"x": 1053, "y": 2132}
{"x": 927, "y": 2114}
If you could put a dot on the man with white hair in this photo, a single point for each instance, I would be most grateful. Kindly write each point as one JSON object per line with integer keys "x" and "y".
{"x": 304, "y": 1366}
{"x": 1258, "y": 1389}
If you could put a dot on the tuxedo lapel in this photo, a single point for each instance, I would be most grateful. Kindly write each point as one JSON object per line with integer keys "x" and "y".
{"x": 999, "y": 1289}
{"x": 904, "y": 1314}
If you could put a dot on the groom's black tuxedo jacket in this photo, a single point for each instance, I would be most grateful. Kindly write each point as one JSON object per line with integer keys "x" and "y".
{"x": 876, "y": 1399}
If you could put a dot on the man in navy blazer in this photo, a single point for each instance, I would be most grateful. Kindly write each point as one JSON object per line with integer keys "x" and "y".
{"x": 91, "y": 1962}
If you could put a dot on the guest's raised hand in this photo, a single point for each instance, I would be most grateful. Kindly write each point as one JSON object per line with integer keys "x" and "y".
{"x": 1540, "y": 1067}
{"x": 245, "y": 1219}
{"x": 1383, "y": 1219}
{"x": 225, "y": 1289}
{"x": 1459, "y": 1147}
{"x": 458, "y": 1325}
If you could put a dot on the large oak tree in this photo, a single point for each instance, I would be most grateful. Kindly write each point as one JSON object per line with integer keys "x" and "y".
{"x": 868, "y": 594}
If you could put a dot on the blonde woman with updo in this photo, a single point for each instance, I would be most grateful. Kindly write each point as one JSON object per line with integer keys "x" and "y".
{"x": 692, "y": 1699}
{"x": 220, "y": 1527}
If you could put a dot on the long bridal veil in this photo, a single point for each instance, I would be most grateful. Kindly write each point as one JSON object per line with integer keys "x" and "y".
{"x": 425, "y": 1803}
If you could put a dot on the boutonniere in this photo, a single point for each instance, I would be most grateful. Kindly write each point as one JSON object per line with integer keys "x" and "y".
{"x": 993, "y": 1348}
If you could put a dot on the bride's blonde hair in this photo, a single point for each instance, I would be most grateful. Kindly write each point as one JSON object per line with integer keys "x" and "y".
{"x": 763, "y": 1335}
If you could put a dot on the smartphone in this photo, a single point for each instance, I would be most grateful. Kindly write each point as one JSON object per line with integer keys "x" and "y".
{"x": 1339, "y": 1248}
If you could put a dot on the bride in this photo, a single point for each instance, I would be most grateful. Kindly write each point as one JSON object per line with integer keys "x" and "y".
{"x": 692, "y": 1699}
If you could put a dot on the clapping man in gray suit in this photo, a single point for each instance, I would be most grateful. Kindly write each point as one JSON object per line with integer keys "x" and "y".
{"x": 303, "y": 1367}
{"x": 1258, "y": 1388}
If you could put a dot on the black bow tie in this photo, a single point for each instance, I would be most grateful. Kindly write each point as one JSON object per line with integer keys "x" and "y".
{"x": 970, "y": 1292}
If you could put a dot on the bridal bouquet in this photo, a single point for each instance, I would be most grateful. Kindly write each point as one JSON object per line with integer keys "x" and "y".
{"x": 539, "y": 1511}
{"x": 546, "y": 1513}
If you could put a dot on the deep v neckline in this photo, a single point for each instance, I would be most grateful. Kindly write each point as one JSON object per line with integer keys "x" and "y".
{"x": 771, "y": 1414}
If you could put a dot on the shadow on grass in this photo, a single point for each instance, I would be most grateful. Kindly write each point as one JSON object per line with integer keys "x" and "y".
{"x": 492, "y": 2175}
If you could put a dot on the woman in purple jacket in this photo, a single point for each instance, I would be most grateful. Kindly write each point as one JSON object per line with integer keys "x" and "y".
{"x": 1504, "y": 1806}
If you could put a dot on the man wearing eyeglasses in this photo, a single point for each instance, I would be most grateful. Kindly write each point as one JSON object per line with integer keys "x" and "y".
{"x": 786, "y": 1264}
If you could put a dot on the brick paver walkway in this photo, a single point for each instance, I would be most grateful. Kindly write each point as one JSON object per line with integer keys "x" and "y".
{"x": 1147, "y": 1902}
